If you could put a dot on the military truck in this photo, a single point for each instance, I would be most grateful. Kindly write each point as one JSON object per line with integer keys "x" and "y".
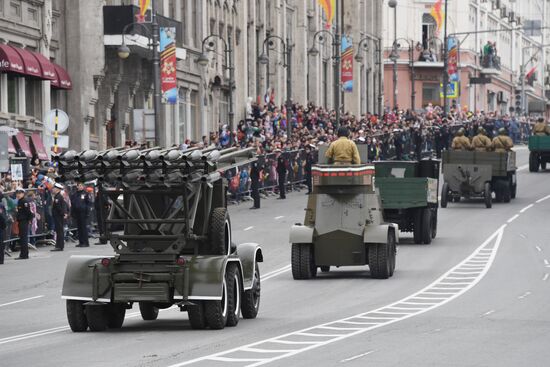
{"x": 409, "y": 196}
{"x": 539, "y": 152}
{"x": 472, "y": 174}
{"x": 343, "y": 224}
{"x": 175, "y": 246}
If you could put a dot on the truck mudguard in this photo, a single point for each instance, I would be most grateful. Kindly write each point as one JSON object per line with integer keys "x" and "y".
{"x": 78, "y": 282}
{"x": 250, "y": 254}
{"x": 379, "y": 233}
{"x": 301, "y": 234}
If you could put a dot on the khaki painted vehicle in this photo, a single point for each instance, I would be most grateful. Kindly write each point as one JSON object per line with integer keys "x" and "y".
{"x": 409, "y": 196}
{"x": 539, "y": 152}
{"x": 471, "y": 174}
{"x": 175, "y": 246}
{"x": 343, "y": 225}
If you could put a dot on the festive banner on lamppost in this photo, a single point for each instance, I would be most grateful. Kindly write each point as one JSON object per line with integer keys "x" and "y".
{"x": 347, "y": 64}
{"x": 452, "y": 47}
{"x": 168, "y": 71}
{"x": 144, "y": 6}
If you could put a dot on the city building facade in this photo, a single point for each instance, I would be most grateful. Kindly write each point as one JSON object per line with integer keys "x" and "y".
{"x": 491, "y": 65}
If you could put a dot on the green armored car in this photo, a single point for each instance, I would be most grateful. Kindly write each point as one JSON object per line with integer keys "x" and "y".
{"x": 175, "y": 245}
{"x": 409, "y": 196}
{"x": 539, "y": 152}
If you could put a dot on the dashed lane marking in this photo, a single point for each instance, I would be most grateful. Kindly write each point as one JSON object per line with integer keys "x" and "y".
{"x": 513, "y": 218}
{"x": 545, "y": 278}
{"x": 543, "y": 199}
{"x": 248, "y": 228}
{"x": 279, "y": 217}
{"x": 356, "y": 357}
{"x": 488, "y": 313}
{"x": 538, "y": 248}
{"x": 527, "y": 208}
{"x": 524, "y": 295}
{"x": 317, "y": 336}
{"x": 546, "y": 262}
{"x": 21, "y": 300}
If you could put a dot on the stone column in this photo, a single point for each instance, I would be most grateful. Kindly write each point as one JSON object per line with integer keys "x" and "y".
{"x": 22, "y": 105}
{"x": 4, "y": 93}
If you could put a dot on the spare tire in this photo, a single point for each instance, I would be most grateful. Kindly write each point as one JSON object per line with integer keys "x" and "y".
{"x": 219, "y": 233}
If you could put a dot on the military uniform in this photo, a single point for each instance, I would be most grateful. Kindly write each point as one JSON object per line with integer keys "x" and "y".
{"x": 461, "y": 143}
{"x": 281, "y": 173}
{"x": 255, "y": 184}
{"x": 343, "y": 151}
{"x": 80, "y": 207}
{"x": 502, "y": 143}
{"x": 24, "y": 216}
{"x": 540, "y": 129}
{"x": 59, "y": 210}
{"x": 481, "y": 143}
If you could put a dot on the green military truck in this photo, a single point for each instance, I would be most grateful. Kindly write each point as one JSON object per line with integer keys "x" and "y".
{"x": 409, "y": 196}
{"x": 472, "y": 174}
{"x": 175, "y": 246}
{"x": 539, "y": 152}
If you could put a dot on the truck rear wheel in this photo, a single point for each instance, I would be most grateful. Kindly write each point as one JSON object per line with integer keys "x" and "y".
{"x": 216, "y": 312}
{"x": 76, "y": 315}
{"x": 196, "y": 315}
{"x": 97, "y": 317}
{"x": 434, "y": 223}
{"x": 303, "y": 261}
{"x": 506, "y": 191}
{"x": 149, "y": 312}
{"x": 426, "y": 226}
{"x": 115, "y": 315}
{"x": 488, "y": 195}
{"x": 533, "y": 162}
{"x": 417, "y": 226}
{"x": 219, "y": 232}
{"x": 380, "y": 259}
{"x": 251, "y": 298}
{"x": 393, "y": 251}
{"x": 234, "y": 294}
{"x": 444, "y": 195}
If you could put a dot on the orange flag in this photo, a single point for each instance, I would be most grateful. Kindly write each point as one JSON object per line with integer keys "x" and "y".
{"x": 143, "y": 7}
{"x": 329, "y": 6}
{"x": 438, "y": 14}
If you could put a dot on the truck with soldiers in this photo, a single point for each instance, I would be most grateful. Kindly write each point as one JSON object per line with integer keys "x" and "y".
{"x": 539, "y": 146}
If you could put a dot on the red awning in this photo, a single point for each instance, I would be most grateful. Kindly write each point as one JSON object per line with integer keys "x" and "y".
{"x": 63, "y": 80}
{"x": 11, "y": 148}
{"x": 10, "y": 60}
{"x": 38, "y": 147}
{"x": 21, "y": 143}
{"x": 48, "y": 70}
{"x": 32, "y": 67}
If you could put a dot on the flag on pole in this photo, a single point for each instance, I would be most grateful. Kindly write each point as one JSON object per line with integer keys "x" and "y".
{"x": 531, "y": 73}
{"x": 438, "y": 14}
{"x": 143, "y": 7}
{"x": 329, "y": 7}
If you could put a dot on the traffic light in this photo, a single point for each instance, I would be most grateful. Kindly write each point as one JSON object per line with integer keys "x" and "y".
{"x": 518, "y": 100}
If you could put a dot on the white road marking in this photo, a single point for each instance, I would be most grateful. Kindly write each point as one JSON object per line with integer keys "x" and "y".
{"x": 279, "y": 217}
{"x": 356, "y": 357}
{"x": 523, "y": 236}
{"x": 546, "y": 262}
{"x": 275, "y": 273}
{"x": 513, "y": 218}
{"x": 524, "y": 295}
{"x": 315, "y": 331}
{"x": 543, "y": 199}
{"x": 248, "y": 228}
{"x": 21, "y": 300}
{"x": 538, "y": 248}
{"x": 545, "y": 278}
{"x": 522, "y": 168}
{"x": 527, "y": 208}
{"x": 488, "y": 313}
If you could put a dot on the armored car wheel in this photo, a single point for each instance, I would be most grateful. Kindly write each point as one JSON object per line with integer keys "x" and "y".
{"x": 382, "y": 258}
{"x": 444, "y": 195}
{"x": 76, "y": 315}
{"x": 488, "y": 195}
{"x": 219, "y": 232}
{"x": 303, "y": 261}
{"x": 148, "y": 311}
{"x": 115, "y": 315}
{"x": 427, "y": 226}
{"x": 251, "y": 298}
{"x": 196, "y": 314}
{"x": 393, "y": 251}
{"x": 97, "y": 316}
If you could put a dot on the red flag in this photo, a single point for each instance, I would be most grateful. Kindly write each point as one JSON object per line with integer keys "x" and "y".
{"x": 530, "y": 73}
{"x": 438, "y": 14}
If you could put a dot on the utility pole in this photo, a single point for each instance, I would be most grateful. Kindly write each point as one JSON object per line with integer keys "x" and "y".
{"x": 159, "y": 138}
{"x": 336, "y": 51}
{"x": 445, "y": 65}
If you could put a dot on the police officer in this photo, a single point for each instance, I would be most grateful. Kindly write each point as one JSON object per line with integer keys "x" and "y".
{"x": 23, "y": 216}
{"x": 281, "y": 173}
{"x": 255, "y": 184}
{"x": 481, "y": 142}
{"x": 80, "y": 208}
{"x": 540, "y": 128}
{"x": 502, "y": 143}
{"x": 460, "y": 142}
{"x": 59, "y": 213}
{"x": 343, "y": 151}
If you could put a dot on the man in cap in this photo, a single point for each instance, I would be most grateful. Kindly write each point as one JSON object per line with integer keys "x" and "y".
{"x": 460, "y": 142}
{"x": 80, "y": 210}
{"x": 308, "y": 164}
{"x": 59, "y": 213}
{"x": 502, "y": 143}
{"x": 343, "y": 151}
{"x": 23, "y": 216}
{"x": 255, "y": 184}
{"x": 481, "y": 142}
{"x": 540, "y": 128}
{"x": 281, "y": 173}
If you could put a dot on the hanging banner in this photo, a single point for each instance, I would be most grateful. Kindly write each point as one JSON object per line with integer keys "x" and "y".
{"x": 329, "y": 7}
{"x": 452, "y": 47}
{"x": 144, "y": 15}
{"x": 347, "y": 64}
{"x": 168, "y": 71}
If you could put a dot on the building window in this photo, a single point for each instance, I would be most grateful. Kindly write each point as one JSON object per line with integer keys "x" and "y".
{"x": 13, "y": 94}
{"x": 182, "y": 114}
{"x": 431, "y": 94}
{"x": 32, "y": 15}
{"x": 15, "y": 9}
{"x": 428, "y": 30}
{"x": 33, "y": 98}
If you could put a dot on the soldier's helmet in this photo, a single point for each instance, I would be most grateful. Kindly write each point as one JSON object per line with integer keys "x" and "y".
{"x": 481, "y": 130}
{"x": 343, "y": 131}
{"x": 502, "y": 131}
{"x": 460, "y": 132}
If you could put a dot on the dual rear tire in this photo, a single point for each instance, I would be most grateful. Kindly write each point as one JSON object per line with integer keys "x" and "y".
{"x": 425, "y": 225}
{"x": 303, "y": 261}
{"x": 382, "y": 258}
{"x": 97, "y": 317}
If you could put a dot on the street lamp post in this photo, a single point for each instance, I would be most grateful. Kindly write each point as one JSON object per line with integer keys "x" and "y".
{"x": 287, "y": 52}
{"x": 394, "y": 56}
{"x": 319, "y": 38}
{"x": 208, "y": 44}
{"x": 363, "y": 45}
{"x": 124, "y": 52}
{"x": 396, "y": 47}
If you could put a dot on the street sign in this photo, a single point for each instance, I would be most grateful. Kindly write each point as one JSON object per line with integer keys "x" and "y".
{"x": 480, "y": 80}
{"x": 17, "y": 172}
{"x": 452, "y": 90}
{"x": 62, "y": 121}
{"x": 62, "y": 142}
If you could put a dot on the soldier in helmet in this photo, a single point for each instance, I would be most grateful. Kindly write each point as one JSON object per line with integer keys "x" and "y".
{"x": 460, "y": 142}
{"x": 343, "y": 150}
{"x": 540, "y": 128}
{"x": 502, "y": 143}
{"x": 481, "y": 142}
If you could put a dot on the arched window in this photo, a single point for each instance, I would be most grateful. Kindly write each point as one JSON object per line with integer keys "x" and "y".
{"x": 428, "y": 29}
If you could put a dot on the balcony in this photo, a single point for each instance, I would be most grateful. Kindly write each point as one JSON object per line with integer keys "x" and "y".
{"x": 490, "y": 65}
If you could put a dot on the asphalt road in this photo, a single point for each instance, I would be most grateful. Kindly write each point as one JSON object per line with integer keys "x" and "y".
{"x": 477, "y": 296}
